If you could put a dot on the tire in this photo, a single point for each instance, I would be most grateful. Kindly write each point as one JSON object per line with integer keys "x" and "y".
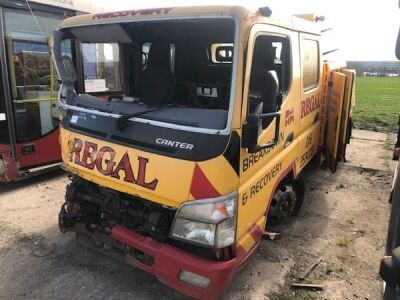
{"x": 300, "y": 189}
{"x": 285, "y": 203}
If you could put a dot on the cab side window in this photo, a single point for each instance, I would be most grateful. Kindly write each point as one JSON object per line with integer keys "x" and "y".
{"x": 310, "y": 63}
{"x": 271, "y": 53}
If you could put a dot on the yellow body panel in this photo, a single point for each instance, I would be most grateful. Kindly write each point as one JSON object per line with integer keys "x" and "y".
{"x": 173, "y": 176}
{"x": 224, "y": 181}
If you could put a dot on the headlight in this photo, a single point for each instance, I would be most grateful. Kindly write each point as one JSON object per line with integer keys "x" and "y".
{"x": 210, "y": 222}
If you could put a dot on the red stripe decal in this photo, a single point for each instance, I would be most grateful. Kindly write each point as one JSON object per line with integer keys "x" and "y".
{"x": 240, "y": 252}
{"x": 201, "y": 187}
{"x": 255, "y": 232}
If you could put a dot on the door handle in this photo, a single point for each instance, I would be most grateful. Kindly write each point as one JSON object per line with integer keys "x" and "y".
{"x": 289, "y": 139}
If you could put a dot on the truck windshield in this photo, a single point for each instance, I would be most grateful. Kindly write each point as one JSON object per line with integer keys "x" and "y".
{"x": 184, "y": 65}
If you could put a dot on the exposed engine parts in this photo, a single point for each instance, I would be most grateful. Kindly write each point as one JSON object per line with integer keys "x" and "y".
{"x": 92, "y": 211}
{"x": 101, "y": 208}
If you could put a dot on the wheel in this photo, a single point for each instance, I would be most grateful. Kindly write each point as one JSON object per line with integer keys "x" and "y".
{"x": 286, "y": 203}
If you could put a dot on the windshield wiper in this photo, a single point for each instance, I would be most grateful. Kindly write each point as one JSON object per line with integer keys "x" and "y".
{"x": 122, "y": 121}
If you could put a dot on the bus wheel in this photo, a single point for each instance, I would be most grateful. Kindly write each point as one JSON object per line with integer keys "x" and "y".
{"x": 286, "y": 203}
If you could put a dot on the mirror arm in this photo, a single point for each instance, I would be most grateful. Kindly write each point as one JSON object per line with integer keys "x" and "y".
{"x": 273, "y": 143}
{"x": 57, "y": 53}
{"x": 270, "y": 115}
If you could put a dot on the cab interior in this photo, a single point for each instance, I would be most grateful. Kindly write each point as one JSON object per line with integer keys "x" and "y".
{"x": 181, "y": 62}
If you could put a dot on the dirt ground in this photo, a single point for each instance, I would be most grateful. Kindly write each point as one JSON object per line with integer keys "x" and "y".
{"x": 341, "y": 227}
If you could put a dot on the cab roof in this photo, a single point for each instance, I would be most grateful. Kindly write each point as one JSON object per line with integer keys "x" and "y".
{"x": 244, "y": 15}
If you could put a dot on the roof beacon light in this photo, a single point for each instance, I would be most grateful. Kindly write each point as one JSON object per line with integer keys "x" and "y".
{"x": 265, "y": 11}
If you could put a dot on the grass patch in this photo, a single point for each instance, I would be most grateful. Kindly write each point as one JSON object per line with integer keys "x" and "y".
{"x": 2, "y": 227}
{"x": 329, "y": 269}
{"x": 285, "y": 291}
{"x": 377, "y": 103}
{"x": 342, "y": 242}
{"x": 343, "y": 258}
{"x": 388, "y": 144}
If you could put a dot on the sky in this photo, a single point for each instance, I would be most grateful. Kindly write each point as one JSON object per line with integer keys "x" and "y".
{"x": 362, "y": 29}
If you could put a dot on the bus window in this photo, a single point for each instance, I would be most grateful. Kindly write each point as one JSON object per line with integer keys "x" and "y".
{"x": 101, "y": 68}
{"x": 31, "y": 72}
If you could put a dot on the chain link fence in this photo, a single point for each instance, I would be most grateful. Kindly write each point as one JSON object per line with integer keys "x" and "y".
{"x": 377, "y": 95}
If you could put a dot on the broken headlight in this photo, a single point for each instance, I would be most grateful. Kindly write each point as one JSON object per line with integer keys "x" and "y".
{"x": 209, "y": 222}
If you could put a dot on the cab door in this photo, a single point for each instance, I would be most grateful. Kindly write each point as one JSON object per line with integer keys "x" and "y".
{"x": 269, "y": 48}
{"x": 311, "y": 98}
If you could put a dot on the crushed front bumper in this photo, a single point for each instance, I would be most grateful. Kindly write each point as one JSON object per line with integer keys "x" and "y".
{"x": 162, "y": 260}
{"x": 168, "y": 262}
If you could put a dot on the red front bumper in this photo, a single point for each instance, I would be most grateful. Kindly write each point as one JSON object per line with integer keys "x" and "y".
{"x": 170, "y": 261}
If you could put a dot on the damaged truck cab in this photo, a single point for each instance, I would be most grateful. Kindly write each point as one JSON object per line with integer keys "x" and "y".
{"x": 185, "y": 131}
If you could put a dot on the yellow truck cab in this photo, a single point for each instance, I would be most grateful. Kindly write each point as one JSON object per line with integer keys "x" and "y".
{"x": 185, "y": 131}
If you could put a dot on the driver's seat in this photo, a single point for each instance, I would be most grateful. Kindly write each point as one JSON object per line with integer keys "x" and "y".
{"x": 156, "y": 84}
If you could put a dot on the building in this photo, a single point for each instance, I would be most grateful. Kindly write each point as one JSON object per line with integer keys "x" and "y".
{"x": 375, "y": 68}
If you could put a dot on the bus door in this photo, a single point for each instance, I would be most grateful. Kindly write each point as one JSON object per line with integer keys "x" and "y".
{"x": 8, "y": 167}
{"x": 4, "y": 133}
{"x": 33, "y": 85}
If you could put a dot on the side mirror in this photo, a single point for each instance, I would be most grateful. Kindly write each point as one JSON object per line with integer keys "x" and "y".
{"x": 271, "y": 110}
{"x": 250, "y": 132}
{"x": 69, "y": 68}
{"x": 251, "y": 129}
{"x": 64, "y": 65}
